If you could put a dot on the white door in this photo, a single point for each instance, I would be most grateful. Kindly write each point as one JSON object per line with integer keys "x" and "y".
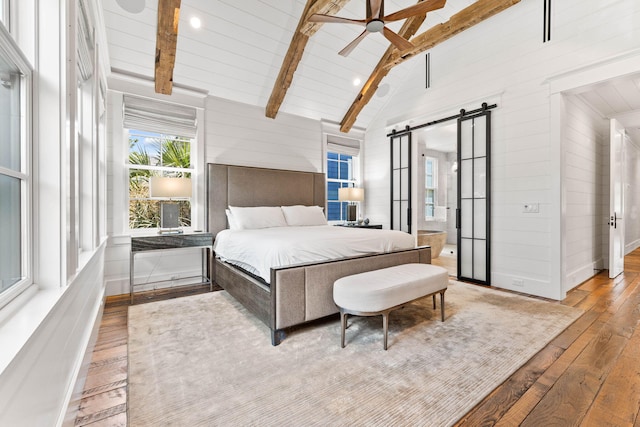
{"x": 616, "y": 199}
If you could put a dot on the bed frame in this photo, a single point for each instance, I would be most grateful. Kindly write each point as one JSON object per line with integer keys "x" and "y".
{"x": 300, "y": 293}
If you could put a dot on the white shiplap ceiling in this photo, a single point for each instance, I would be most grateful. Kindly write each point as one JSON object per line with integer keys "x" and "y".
{"x": 617, "y": 99}
{"x": 238, "y": 52}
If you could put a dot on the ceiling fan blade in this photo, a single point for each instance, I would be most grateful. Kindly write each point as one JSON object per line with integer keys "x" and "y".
{"x": 417, "y": 9}
{"x": 399, "y": 42}
{"x": 335, "y": 19}
{"x": 375, "y": 5}
{"x": 347, "y": 50}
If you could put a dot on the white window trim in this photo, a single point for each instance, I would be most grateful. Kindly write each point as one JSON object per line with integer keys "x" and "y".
{"x": 194, "y": 181}
{"x": 13, "y": 52}
{"x": 333, "y": 129}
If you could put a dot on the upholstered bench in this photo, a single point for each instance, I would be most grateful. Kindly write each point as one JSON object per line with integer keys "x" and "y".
{"x": 379, "y": 292}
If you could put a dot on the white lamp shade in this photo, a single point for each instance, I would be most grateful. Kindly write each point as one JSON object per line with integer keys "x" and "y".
{"x": 351, "y": 194}
{"x": 160, "y": 186}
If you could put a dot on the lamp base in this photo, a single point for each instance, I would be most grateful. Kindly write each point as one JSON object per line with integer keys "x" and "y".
{"x": 352, "y": 213}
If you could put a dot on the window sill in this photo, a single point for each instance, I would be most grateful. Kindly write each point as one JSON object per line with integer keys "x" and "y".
{"x": 20, "y": 319}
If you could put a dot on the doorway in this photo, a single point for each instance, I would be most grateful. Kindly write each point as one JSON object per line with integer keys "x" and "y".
{"x": 437, "y": 194}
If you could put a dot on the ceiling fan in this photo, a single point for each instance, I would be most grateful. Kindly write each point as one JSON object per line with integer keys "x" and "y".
{"x": 375, "y": 21}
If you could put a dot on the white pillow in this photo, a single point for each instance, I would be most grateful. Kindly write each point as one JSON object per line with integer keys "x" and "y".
{"x": 233, "y": 224}
{"x": 258, "y": 217}
{"x": 304, "y": 215}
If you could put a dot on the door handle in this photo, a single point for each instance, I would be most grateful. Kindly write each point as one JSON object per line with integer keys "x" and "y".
{"x": 614, "y": 220}
{"x": 457, "y": 217}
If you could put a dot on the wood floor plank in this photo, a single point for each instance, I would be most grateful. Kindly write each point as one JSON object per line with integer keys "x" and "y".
{"x": 619, "y": 397}
{"x": 103, "y": 403}
{"x": 118, "y": 420}
{"x": 573, "y": 393}
{"x": 102, "y": 416}
{"x": 493, "y": 407}
{"x": 577, "y": 328}
{"x": 575, "y": 296}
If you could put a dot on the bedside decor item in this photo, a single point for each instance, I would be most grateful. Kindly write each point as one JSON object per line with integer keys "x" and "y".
{"x": 171, "y": 188}
{"x": 366, "y": 221}
{"x": 351, "y": 195}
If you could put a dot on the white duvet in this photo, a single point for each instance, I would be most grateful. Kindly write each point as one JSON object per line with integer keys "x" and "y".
{"x": 258, "y": 250}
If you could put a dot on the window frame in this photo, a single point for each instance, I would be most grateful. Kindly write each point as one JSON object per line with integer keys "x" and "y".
{"x": 14, "y": 55}
{"x": 192, "y": 170}
{"x": 354, "y": 173}
{"x": 351, "y": 144}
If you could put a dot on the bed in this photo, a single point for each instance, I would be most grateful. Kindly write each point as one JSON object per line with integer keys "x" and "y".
{"x": 293, "y": 294}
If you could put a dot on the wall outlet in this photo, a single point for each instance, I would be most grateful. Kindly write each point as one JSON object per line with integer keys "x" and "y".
{"x": 531, "y": 208}
{"x": 518, "y": 282}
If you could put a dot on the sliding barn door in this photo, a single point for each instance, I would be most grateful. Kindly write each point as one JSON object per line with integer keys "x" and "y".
{"x": 473, "y": 215}
{"x": 401, "y": 182}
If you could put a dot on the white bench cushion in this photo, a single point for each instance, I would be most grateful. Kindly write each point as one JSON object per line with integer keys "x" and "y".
{"x": 380, "y": 290}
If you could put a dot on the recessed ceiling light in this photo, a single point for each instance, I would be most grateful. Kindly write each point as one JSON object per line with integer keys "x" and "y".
{"x": 195, "y": 22}
{"x": 131, "y": 6}
{"x": 357, "y": 81}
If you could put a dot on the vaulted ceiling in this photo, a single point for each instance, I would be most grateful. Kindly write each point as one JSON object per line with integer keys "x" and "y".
{"x": 243, "y": 52}
{"x": 241, "y": 48}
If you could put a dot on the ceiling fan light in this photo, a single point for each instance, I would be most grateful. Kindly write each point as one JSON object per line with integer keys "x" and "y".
{"x": 375, "y": 26}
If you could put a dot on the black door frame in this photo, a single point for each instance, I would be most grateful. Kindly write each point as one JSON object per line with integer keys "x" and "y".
{"x": 487, "y": 279}
{"x": 463, "y": 113}
{"x": 397, "y": 139}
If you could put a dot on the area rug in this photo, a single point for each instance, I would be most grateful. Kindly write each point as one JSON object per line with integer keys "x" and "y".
{"x": 205, "y": 360}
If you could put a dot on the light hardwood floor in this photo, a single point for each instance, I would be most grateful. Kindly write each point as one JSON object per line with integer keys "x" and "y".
{"x": 587, "y": 376}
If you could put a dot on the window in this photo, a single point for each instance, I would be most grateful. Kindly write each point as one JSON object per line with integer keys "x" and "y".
{"x": 430, "y": 187}
{"x": 340, "y": 173}
{"x": 15, "y": 194}
{"x": 154, "y": 154}
{"x": 342, "y": 168}
{"x": 161, "y": 140}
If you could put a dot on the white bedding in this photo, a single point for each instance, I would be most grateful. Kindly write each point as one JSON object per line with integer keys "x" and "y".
{"x": 258, "y": 250}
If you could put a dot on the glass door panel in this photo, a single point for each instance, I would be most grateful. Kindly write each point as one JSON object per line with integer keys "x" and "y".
{"x": 474, "y": 143}
{"x": 401, "y": 182}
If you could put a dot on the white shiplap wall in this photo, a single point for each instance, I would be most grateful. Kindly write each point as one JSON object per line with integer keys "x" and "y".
{"x": 585, "y": 151}
{"x": 504, "y": 59}
{"x": 240, "y": 134}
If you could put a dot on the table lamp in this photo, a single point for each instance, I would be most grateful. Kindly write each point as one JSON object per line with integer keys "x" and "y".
{"x": 352, "y": 196}
{"x": 171, "y": 188}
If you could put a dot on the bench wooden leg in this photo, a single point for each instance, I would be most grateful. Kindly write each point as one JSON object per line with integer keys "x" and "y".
{"x": 434, "y": 301}
{"x": 441, "y": 305}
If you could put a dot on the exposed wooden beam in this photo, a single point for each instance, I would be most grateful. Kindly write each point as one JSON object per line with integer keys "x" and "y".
{"x": 461, "y": 21}
{"x": 466, "y": 18}
{"x": 166, "y": 42}
{"x": 409, "y": 28}
{"x": 298, "y": 43}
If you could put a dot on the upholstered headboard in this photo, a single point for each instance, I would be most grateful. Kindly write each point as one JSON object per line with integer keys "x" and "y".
{"x": 229, "y": 185}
